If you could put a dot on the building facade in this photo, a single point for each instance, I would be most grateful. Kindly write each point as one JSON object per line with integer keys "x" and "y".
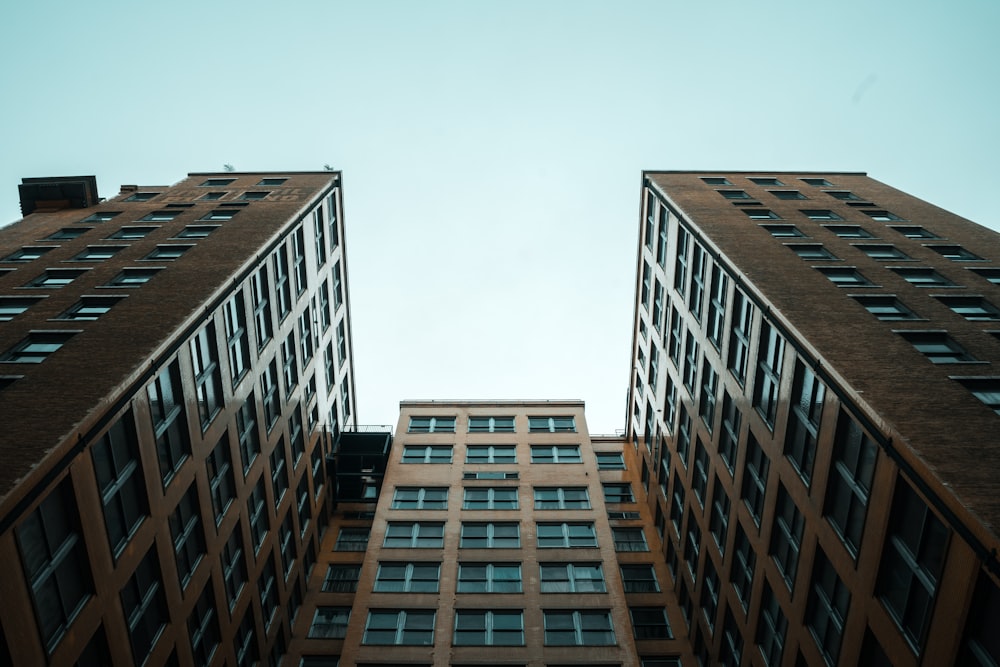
{"x": 175, "y": 363}
{"x": 813, "y": 392}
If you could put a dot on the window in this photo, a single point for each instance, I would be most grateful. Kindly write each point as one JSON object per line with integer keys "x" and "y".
{"x": 220, "y": 477}
{"x": 132, "y": 277}
{"x": 259, "y": 291}
{"x": 650, "y": 623}
{"x": 787, "y": 194}
{"x": 160, "y": 216}
{"x": 744, "y": 561}
{"x": 133, "y": 233}
{"x": 923, "y": 277}
{"x": 338, "y": 288}
{"x": 330, "y": 623}
{"x": 761, "y": 214}
{"x": 203, "y": 629}
{"x": 731, "y": 651}
{"x": 664, "y": 233}
{"x": 699, "y": 478}
{"x": 37, "y": 347}
{"x": 489, "y": 536}
{"x": 268, "y": 592}
{"x": 618, "y": 493}
{"x": 342, "y": 579}
{"x": 980, "y": 645}
{"x": 718, "y": 522}
{"x": 696, "y": 297}
{"x": 552, "y": 424}
{"x": 937, "y": 346}
{"x": 282, "y": 288}
{"x": 69, "y": 233}
{"x": 914, "y": 232}
{"x": 489, "y": 578}
{"x": 986, "y": 390}
{"x": 144, "y": 606}
{"x": 218, "y": 215}
{"x": 189, "y": 540}
{"x": 420, "y": 498}
{"x": 739, "y": 341}
{"x": 882, "y": 252}
{"x": 196, "y": 231}
{"x": 887, "y": 308}
{"x": 299, "y": 270}
{"x": 755, "y": 478}
{"x": 912, "y": 559}
{"x": 56, "y": 278}
{"x": 571, "y": 578}
{"x": 55, "y": 564}
{"x": 491, "y": 424}
{"x": 234, "y": 572}
{"x": 804, "y": 420}
{"x": 490, "y": 498}
{"x": 490, "y": 454}
{"x": 269, "y": 394}
{"x": 212, "y": 196}
{"x": 639, "y": 578}
{"x": 716, "y": 322}
{"x": 692, "y": 546}
{"x": 812, "y": 251}
{"x": 817, "y": 182}
{"x": 974, "y": 308}
{"x": 118, "y": 469}
{"x": 955, "y": 253}
{"x": 234, "y": 315}
{"x": 610, "y": 461}
{"x": 427, "y": 453}
{"x": 681, "y": 262}
{"x": 715, "y": 180}
{"x": 352, "y": 539}
{"x": 27, "y": 254}
{"x": 566, "y": 535}
{"x": 168, "y": 252}
{"x": 561, "y": 498}
{"x": 771, "y": 628}
{"x": 490, "y": 474}
{"x": 820, "y": 214}
{"x": 341, "y": 343}
{"x": 88, "y": 308}
{"x": 683, "y": 442}
{"x": 555, "y": 454}
{"x": 765, "y": 180}
{"x": 279, "y": 476}
{"x": 770, "y": 356}
{"x": 407, "y": 577}
{"x": 730, "y": 438}
{"x": 208, "y": 385}
{"x": 216, "y": 182}
{"x": 489, "y": 628}
{"x": 305, "y": 336}
{"x": 414, "y": 535}
{"x": 852, "y": 469}
{"x": 783, "y": 231}
{"x": 786, "y": 536}
{"x": 707, "y": 399}
{"x": 628, "y": 538}
{"x": 590, "y": 627}
{"x": 101, "y": 216}
{"x": 849, "y": 231}
{"x": 882, "y": 216}
{"x": 257, "y": 515}
{"x": 431, "y": 425}
{"x": 734, "y": 194}
{"x": 404, "y": 627}
{"x": 166, "y": 405}
{"x": 257, "y": 195}
{"x": 290, "y": 367}
{"x": 826, "y": 614}
{"x": 845, "y": 276}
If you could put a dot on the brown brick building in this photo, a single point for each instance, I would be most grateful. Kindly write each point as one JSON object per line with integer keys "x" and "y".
{"x": 814, "y": 395}
{"x": 173, "y": 364}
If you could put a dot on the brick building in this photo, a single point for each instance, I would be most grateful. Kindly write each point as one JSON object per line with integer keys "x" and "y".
{"x": 813, "y": 392}
{"x": 174, "y": 364}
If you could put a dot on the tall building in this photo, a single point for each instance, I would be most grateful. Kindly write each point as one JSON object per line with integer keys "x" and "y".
{"x": 814, "y": 395}
{"x": 174, "y": 365}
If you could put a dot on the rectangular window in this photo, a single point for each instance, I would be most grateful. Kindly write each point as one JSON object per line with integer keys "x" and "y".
{"x": 886, "y": 307}
{"x": 566, "y": 535}
{"x": 571, "y": 578}
{"x": 629, "y": 538}
{"x": 37, "y": 347}
{"x": 269, "y": 394}
{"x": 786, "y": 536}
{"x": 912, "y": 560}
{"x": 220, "y": 478}
{"x": 826, "y": 613}
{"x": 730, "y": 438}
{"x": 850, "y": 231}
{"x": 203, "y": 628}
{"x": 937, "y": 346}
{"x": 739, "y": 341}
{"x": 290, "y": 368}
{"x": 974, "y": 308}
{"x": 187, "y": 534}
{"x": 761, "y": 214}
{"x": 330, "y": 623}
{"x": 696, "y": 297}
{"x": 718, "y": 522}
{"x": 489, "y": 578}
{"x": 234, "y": 571}
{"x": 618, "y": 493}
{"x": 407, "y": 578}
{"x": 352, "y": 539}
{"x": 716, "y": 321}
{"x": 208, "y": 384}
{"x": 810, "y": 251}
{"x": 552, "y": 424}
{"x": 590, "y": 627}
{"x": 646, "y": 282}
{"x": 305, "y": 336}
{"x": 12, "y": 306}
{"x": 650, "y": 623}
{"x": 882, "y": 252}
{"x": 403, "y": 627}
{"x": 490, "y": 498}
{"x": 709, "y": 389}
{"x": 770, "y": 356}
{"x": 845, "y": 276}
{"x": 279, "y": 476}
{"x": 234, "y": 315}
{"x": 914, "y": 232}
{"x": 490, "y": 454}
{"x": 481, "y": 535}
{"x": 431, "y": 425}
{"x": 414, "y": 535}
{"x": 165, "y": 252}
{"x": 319, "y": 227}
{"x": 246, "y": 432}
{"x": 681, "y": 262}
{"x": 92, "y": 253}
{"x": 690, "y": 373}
{"x": 675, "y": 337}
{"x": 922, "y": 277}
{"x": 120, "y": 481}
{"x": 257, "y": 515}
{"x": 783, "y": 231}
{"x": 55, "y": 564}
{"x": 771, "y": 628}
{"x": 639, "y": 578}
{"x": 260, "y": 290}
{"x": 427, "y": 453}
{"x": 282, "y": 288}
{"x": 342, "y": 579}
{"x": 491, "y": 424}
{"x": 420, "y": 498}
{"x": 852, "y": 470}
{"x": 556, "y": 454}
{"x": 804, "y": 420}
{"x": 699, "y": 475}
{"x": 268, "y": 592}
{"x": 338, "y": 287}
{"x": 610, "y": 461}
{"x": 561, "y": 498}
{"x": 489, "y": 628}
{"x": 166, "y": 406}
{"x": 755, "y": 478}
{"x": 144, "y": 606}
{"x": 744, "y": 561}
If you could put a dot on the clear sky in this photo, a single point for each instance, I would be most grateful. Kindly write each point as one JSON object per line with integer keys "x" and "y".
{"x": 492, "y": 151}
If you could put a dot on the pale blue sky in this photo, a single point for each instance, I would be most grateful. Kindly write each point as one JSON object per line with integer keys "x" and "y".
{"x": 492, "y": 150}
